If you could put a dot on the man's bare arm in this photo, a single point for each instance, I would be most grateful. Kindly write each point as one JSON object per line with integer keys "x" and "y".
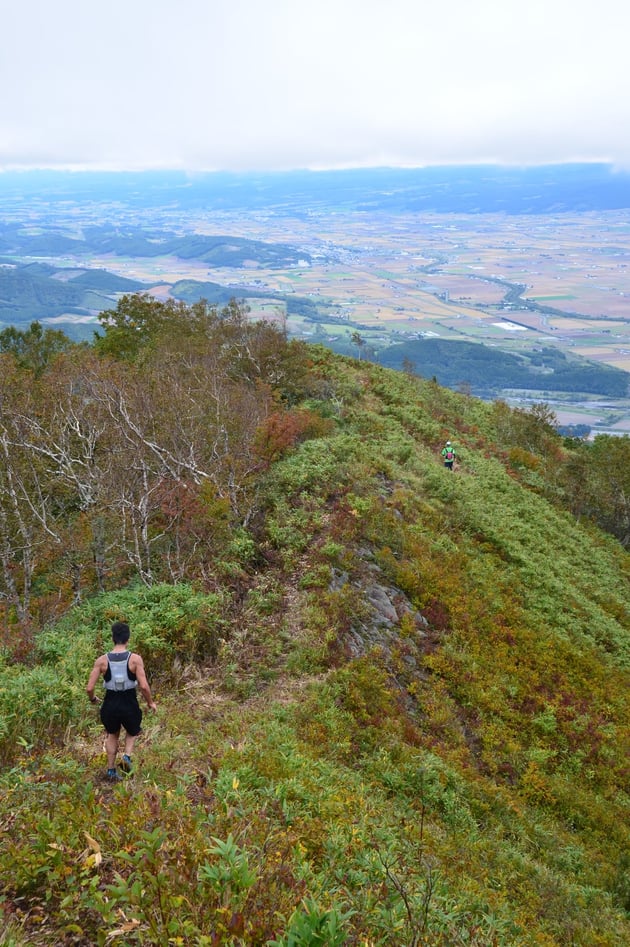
{"x": 136, "y": 666}
{"x": 100, "y": 666}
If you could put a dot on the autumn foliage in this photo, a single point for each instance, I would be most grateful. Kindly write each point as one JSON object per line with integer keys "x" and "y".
{"x": 392, "y": 699}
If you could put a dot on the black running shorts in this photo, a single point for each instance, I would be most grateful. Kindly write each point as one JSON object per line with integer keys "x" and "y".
{"x": 121, "y": 709}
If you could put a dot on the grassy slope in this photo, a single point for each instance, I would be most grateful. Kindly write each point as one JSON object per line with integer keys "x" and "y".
{"x": 325, "y": 776}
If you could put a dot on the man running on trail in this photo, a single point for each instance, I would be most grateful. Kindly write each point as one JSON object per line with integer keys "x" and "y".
{"x": 448, "y": 453}
{"x": 123, "y": 672}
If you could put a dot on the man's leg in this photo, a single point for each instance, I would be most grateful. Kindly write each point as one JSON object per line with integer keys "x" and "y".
{"x": 130, "y": 742}
{"x": 132, "y": 725}
{"x": 111, "y": 748}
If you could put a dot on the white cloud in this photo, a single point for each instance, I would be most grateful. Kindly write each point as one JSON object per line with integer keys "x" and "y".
{"x": 286, "y": 83}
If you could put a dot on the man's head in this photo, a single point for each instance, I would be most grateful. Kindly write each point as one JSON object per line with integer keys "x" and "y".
{"x": 120, "y": 632}
{"x": 448, "y": 443}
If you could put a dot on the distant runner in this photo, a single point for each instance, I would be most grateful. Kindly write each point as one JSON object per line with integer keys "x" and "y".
{"x": 448, "y": 453}
{"x": 123, "y": 672}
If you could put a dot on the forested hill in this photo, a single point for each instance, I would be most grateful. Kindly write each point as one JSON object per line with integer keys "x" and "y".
{"x": 392, "y": 699}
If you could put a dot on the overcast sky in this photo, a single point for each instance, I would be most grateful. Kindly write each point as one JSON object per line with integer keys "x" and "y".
{"x": 277, "y": 84}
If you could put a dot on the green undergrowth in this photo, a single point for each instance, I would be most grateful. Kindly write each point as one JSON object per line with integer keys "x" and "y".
{"x": 395, "y": 713}
{"x": 249, "y": 824}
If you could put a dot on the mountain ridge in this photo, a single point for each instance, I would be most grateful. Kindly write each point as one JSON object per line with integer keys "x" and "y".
{"x": 392, "y": 698}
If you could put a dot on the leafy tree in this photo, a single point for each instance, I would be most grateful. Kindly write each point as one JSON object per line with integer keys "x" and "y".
{"x": 34, "y": 348}
{"x": 246, "y": 350}
{"x": 597, "y": 479}
{"x": 137, "y": 320}
{"x": 358, "y": 340}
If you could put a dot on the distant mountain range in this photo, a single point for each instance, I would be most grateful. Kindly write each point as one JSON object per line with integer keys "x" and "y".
{"x": 36, "y": 291}
{"x": 453, "y": 189}
{"x": 53, "y": 239}
{"x": 41, "y": 290}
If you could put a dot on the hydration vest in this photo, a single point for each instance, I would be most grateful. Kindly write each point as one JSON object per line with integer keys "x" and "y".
{"x": 118, "y": 677}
